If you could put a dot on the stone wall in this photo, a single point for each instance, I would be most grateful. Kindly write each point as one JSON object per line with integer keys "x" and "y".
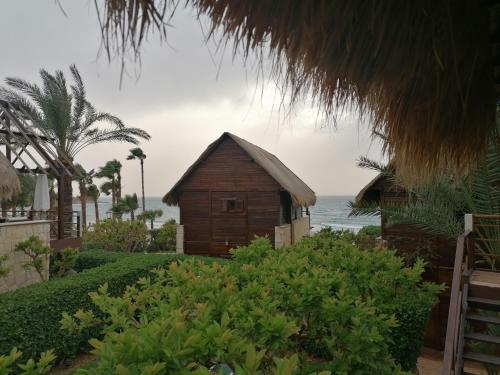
{"x": 10, "y": 235}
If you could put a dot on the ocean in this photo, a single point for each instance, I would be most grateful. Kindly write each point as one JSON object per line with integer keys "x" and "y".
{"x": 329, "y": 211}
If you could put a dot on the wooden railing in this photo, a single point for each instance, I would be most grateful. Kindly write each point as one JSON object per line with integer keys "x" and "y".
{"x": 71, "y": 221}
{"x": 452, "y": 350}
{"x": 477, "y": 248}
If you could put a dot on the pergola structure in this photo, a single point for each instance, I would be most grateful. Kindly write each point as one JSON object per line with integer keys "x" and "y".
{"x": 27, "y": 147}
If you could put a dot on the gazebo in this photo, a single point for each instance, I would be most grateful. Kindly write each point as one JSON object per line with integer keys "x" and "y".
{"x": 29, "y": 150}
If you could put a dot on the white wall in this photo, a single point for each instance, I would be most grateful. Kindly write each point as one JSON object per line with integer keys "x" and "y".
{"x": 282, "y": 236}
{"x": 301, "y": 227}
{"x": 179, "y": 239}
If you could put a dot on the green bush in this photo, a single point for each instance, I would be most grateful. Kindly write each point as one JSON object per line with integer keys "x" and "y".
{"x": 371, "y": 230}
{"x": 94, "y": 258}
{"x": 164, "y": 238}
{"x": 267, "y": 311}
{"x": 63, "y": 262}
{"x": 117, "y": 235}
{"x": 30, "y": 316}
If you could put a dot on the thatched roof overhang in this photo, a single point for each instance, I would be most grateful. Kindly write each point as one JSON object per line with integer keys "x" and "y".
{"x": 371, "y": 192}
{"x": 424, "y": 72}
{"x": 9, "y": 181}
{"x": 301, "y": 194}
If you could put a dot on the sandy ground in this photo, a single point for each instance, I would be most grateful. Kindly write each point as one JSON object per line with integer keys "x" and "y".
{"x": 431, "y": 363}
{"x": 81, "y": 360}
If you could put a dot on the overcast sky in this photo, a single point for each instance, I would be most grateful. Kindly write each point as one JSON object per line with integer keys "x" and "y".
{"x": 186, "y": 96}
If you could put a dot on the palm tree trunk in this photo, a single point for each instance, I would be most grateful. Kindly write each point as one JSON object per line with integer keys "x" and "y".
{"x": 132, "y": 216}
{"x": 68, "y": 205}
{"x": 142, "y": 177}
{"x": 118, "y": 186}
{"x": 113, "y": 190}
{"x": 96, "y": 209}
{"x": 83, "y": 203}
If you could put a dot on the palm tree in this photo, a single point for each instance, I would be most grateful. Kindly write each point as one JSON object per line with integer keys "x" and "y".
{"x": 439, "y": 205}
{"x": 112, "y": 171}
{"x": 126, "y": 205}
{"x": 93, "y": 192}
{"x": 137, "y": 153}
{"x": 150, "y": 215}
{"x": 84, "y": 179}
{"x": 67, "y": 116}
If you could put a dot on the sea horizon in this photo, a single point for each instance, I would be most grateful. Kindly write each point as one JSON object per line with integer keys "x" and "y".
{"x": 329, "y": 211}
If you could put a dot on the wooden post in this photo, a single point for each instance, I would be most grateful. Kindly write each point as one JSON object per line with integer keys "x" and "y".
{"x": 60, "y": 206}
{"x": 469, "y": 226}
{"x": 7, "y": 148}
{"x": 78, "y": 225}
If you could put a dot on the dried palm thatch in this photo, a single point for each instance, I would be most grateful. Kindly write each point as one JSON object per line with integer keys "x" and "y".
{"x": 9, "y": 182}
{"x": 421, "y": 70}
{"x": 300, "y": 193}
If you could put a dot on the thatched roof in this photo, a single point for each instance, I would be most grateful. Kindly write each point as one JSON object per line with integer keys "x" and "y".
{"x": 9, "y": 182}
{"x": 422, "y": 71}
{"x": 300, "y": 193}
{"x": 370, "y": 193}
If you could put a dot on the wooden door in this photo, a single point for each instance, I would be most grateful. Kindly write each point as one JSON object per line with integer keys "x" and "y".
{"x": 229, "y": 227}
{"x": 195, "y": 216}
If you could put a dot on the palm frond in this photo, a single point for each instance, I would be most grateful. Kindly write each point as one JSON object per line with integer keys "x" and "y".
{"x": 367, "y": 163}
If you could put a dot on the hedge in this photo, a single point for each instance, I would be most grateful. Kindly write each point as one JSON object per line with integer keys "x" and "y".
{"x": 30, "y": 317}
{"x": 321, "y": 300}
{"x": 88, "y": 259}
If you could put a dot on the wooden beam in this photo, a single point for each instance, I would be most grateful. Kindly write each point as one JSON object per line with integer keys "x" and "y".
{"x": 8, "y": 153}
{"x": 35, "y": 145}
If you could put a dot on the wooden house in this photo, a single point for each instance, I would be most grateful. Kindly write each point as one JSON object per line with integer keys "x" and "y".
{"x": 235, "y": 191}
{"x": 411, "y": 241}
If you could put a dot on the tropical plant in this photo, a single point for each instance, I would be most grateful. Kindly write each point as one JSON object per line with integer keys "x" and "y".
{"x": 63, "y": 261}
{"x": 25, "y": 197}
{"x": 439, "y": 205}
{"x": 93, "y": 192}
{"x": 37, "y": 252}
{"x": 112, "y": 171}
{"x": 138, "y": 154}
{"x": 4, "y": 271}
{"x": 127, "y": 205}
{"x": 31, "y": 367}
{"x": 84, "y": 179}
{"x": 67, "y": 116}
{"x": 150, "y": 215}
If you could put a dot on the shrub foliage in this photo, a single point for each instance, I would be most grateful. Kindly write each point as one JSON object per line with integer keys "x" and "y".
{"x": 164, "y": 238}
{"x": 322, "y": 301}
{"x": 30, "y": 317}
{"x": 117, "y": 235}
{"x": 371, "y": 230}
{"x": 94, "y": 258}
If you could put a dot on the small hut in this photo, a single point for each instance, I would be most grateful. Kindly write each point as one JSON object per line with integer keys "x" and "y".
{"x": 411, "y": 241}
{"x": 235, "y": 191}
{"x": 9, "y": 182}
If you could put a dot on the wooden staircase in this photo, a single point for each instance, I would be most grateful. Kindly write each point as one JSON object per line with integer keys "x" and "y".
{"x": 474, "y": 314}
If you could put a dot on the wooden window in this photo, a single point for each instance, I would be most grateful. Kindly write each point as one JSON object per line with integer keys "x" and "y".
{"x": 232, "y": 205}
